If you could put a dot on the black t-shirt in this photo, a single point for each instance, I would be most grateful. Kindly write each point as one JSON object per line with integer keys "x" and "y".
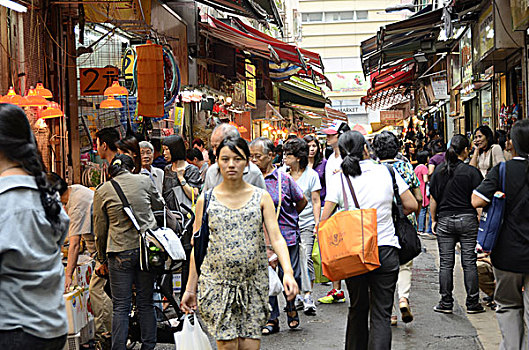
{"x": 453, "y": 195}
{"x": 511, "y": 252}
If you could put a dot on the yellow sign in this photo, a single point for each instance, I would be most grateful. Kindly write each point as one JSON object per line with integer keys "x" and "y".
{"x": 127, "y": 62}
{"x": 251, "y": 93}
{"x": 107, "y": 10}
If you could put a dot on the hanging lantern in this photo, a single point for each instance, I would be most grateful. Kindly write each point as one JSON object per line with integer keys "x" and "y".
{"x": 51, "y": 113}
{"x": 42, "y": 91}
{"x": 33, "y": 100}
{"x": 11, "y": 97}
{"x": 111, "y": 102}
{"x": 116, "y": 90}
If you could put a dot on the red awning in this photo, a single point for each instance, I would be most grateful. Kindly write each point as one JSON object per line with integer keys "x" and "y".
{"x": 389, "y": 86}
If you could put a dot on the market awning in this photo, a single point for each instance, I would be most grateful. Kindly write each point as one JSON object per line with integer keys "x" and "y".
{"x": 390, "y": 86}
{"x": 318, "y": 117}
{"x": 402, "y": 40}
{"x": 298, "y": 91}
{"x": 286, "y": 60}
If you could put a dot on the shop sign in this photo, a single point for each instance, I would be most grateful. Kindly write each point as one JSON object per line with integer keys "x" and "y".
{"x": 391, "y": 117}
{"x": 486, "y": 32}
{"x": 440, "y": 88}
{"x": 455, "y": 66}
{"x": 94, "y": 81}
{"x": 465, "y": 47}
{"x": 347, "y": 84}
{"x": 239, "y": 98}
{"x": 251, "y": 93}
{"x": 520, "y": 14}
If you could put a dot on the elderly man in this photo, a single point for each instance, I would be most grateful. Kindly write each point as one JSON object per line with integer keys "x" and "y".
{"x": 252, "y": 174}
{"x": 194, "y": 156}
{"x": 147, "y": 157}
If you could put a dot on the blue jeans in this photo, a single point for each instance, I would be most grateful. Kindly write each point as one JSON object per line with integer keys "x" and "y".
{"x": 423, "y": 216}
{"x": 296, "y": 266}
{"x": 124, "y": 270}
{"x": 461, "y": 228}
{"x": 20, "y": 340}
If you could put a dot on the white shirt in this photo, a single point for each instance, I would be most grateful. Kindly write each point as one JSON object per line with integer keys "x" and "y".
{"x": 332, "y": 167}
{"x": 373, "y": 189}
{"x": 309, "y": 182}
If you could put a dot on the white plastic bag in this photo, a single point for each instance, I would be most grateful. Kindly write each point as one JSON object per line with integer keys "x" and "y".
{"x": 192, "y": 337}
{"x": 170, "y": 243}
{"x": 276, "y": 287}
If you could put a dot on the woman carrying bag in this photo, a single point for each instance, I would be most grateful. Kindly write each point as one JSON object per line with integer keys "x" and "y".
{"x": 232, "y": 294}
{"x": 118, "y": 241}
{"x": 373, "y": 187}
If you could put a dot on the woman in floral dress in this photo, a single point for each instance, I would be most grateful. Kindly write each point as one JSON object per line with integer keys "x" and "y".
{"x": 233, "y": 285}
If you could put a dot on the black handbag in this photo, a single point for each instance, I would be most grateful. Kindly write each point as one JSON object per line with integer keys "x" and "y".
{"x": 201, "y": 238}
{"x": 410, "y": 243}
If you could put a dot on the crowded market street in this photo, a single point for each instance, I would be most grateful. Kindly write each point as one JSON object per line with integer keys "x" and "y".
{"x": 429, "y": 330}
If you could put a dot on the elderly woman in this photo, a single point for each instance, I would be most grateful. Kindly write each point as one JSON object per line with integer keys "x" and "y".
{"x": 118, "y": 248}
{"x": 297, "y": 159}
{"x": 147, "y": 157}
{"x": 288, "y": 208}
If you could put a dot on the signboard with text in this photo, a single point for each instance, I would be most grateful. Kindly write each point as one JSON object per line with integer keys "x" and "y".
{"x": 251, "y": 93}
{"x": 94, "y": 81}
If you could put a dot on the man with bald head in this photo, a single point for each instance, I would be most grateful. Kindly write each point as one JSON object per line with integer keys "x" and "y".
{"x": 252, "y": 174}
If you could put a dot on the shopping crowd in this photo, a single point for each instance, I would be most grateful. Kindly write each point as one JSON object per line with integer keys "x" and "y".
{"x": 261, "y": 205}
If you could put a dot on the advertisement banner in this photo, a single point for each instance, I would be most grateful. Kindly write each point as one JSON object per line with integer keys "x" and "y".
{"x": 251, "y": 93}
{"x": 347, "y": 84}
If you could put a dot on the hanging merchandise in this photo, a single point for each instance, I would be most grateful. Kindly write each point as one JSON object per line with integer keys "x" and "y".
{"x": 150, "y": 72}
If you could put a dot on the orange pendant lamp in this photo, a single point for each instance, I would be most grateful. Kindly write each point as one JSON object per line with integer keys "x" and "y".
{"x": 11, "y": 97}
{"x": 42, "y": 91}
{"x": 116, "y": 90}
{"x": 111, "y": 102}
{"x": 53, "y": 111}
{"x": 33, "y": 100}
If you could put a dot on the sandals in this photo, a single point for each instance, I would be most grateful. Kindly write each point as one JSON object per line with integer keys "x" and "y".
{"x": 271, "y": 327}
{"x": 292, "y": 316}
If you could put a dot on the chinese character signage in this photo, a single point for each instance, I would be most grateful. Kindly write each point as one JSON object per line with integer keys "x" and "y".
{"x": 251, "y": 93}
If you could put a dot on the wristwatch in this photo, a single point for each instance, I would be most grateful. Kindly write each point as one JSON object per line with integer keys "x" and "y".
{"x": 183, "y": 183}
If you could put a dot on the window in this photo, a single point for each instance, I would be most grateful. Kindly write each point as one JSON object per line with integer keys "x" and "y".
{"x": 339, "y": 16}
{"x": 361, "y": 15}
{"x": 312, "y": 17}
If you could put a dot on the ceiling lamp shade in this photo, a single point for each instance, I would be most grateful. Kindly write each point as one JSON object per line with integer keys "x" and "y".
{"x": 111, "y": 102}
{"x": 42, "y": 91}
{"x": 116, "y": 90}
{"x": 51, "y": 113}
{"x": 11, "y": 97}
{"x": 33, "y": 100}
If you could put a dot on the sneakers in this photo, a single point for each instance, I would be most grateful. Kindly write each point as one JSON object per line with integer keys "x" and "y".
{"x": 405, "y": 310}
{"x": 298, "y": 303}
{"x": 394, "y": 321}
{"x": 333, "y": 297}
{"x": 309, "y": 308}
{"x": 477, "y": 309}
{"x": 442, "y": 309}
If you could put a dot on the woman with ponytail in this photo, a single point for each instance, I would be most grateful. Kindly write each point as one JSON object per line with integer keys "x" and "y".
{"x": 510, "y": 256}
{"x": 455, "y": 220}
{"x": 34, "y": 226}
{"x": 374, "y": 290}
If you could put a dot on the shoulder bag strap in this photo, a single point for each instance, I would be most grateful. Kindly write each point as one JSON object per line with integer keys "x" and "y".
{"x": 396, "y": 194}
{"x": 207, "y": 198}
{"x": 126, "y": 206}
{"x": 280, "y": 199}
{"x": 502, "y": 175}
{"x": 491, "y": 158}
{"x": 353, "y": 194}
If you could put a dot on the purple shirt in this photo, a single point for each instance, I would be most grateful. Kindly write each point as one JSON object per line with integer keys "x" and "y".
{"x": 437, "y": 159}
{"x": 320, "y": 169}
{"x": 291, "y": 193}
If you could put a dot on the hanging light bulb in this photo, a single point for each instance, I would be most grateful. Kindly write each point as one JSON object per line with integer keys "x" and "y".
{"x": 33, "y": 100}
{"x": 42, "y": 91}
{"x": 11, "y": 97}
{"x": 116, "y": 90}
{"x": 111, "y": 102}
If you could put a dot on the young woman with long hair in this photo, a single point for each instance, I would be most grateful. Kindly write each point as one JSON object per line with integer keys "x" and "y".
{"x": 371, "y": 294}
{"x": 317, "y": 162}
{"x": 233, "y": 286}
{"x": 487, "y": 154}
{"x": 34, "y": 226}
{"x": 455, "y": 220}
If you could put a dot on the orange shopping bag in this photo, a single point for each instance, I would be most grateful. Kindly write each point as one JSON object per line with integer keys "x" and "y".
{"x": 348, "y": 241}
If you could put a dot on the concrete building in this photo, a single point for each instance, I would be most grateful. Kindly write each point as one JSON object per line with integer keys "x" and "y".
{"x": 335, "y": 29}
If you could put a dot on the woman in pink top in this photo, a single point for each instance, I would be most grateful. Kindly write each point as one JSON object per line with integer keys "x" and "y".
{"x": 422, "y": 173}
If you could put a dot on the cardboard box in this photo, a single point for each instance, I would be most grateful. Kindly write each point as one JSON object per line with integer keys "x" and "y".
{"x": 75, "y": 311}
{"x": 86, "y": 302}
{"x": 84, "y": 273}
{"x": 88, "y": 331}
